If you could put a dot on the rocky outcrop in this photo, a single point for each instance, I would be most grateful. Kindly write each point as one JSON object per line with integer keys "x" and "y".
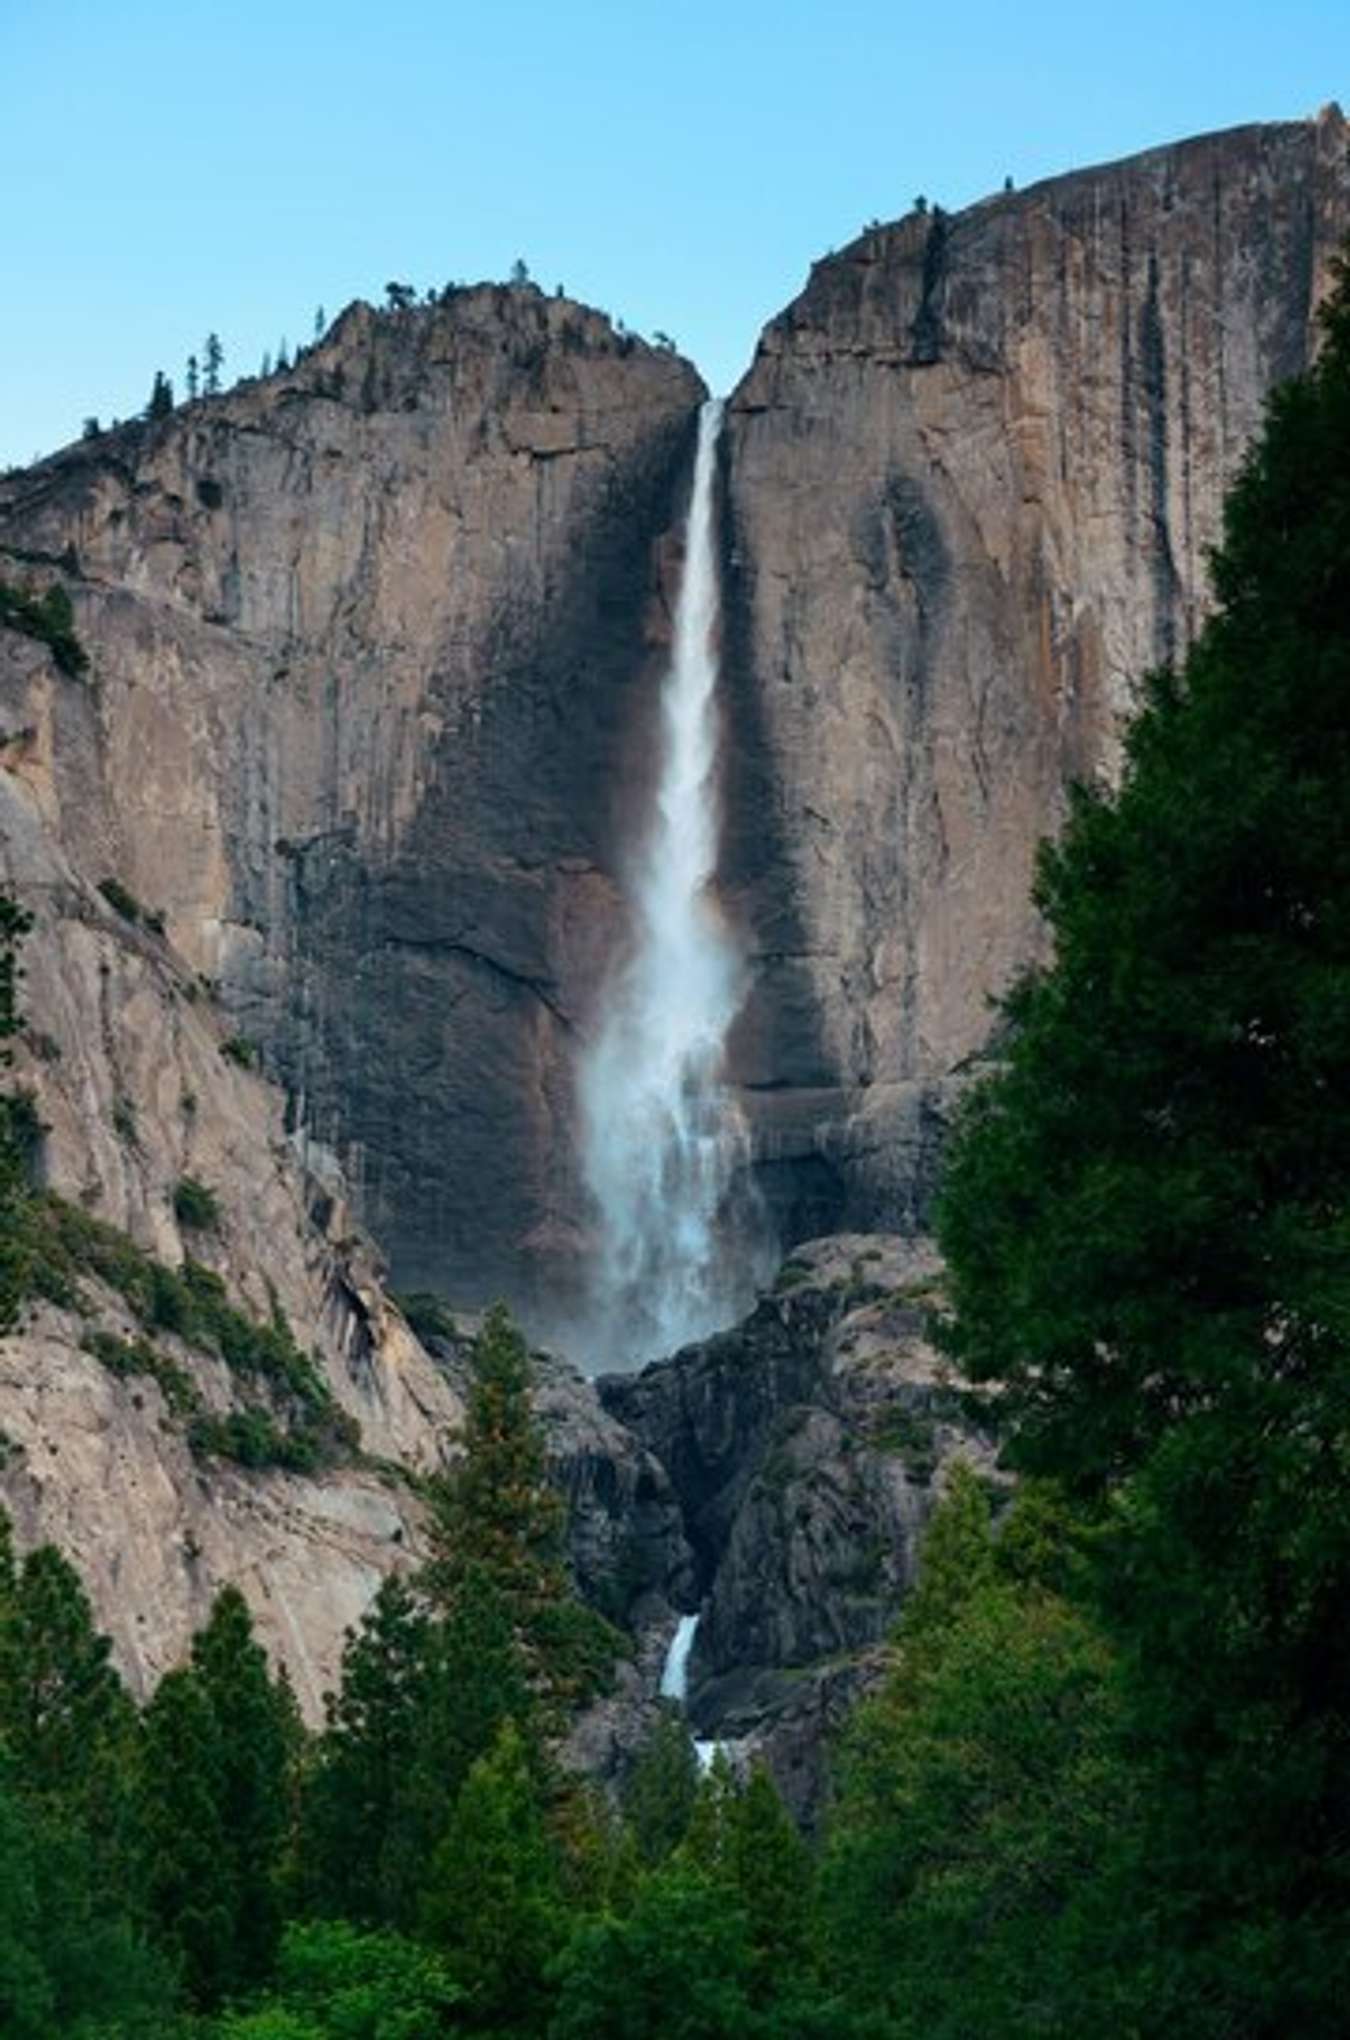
{"x": 367, "y": 643}
{"x": 140, "y": 1087}
{"x": 972, "y": 477}
{"x": 627, "y": 1546}
{"x": 806, "y": 1447}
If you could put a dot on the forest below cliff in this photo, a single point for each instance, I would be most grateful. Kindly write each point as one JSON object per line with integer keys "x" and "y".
{"x": 1105, "y": 1785}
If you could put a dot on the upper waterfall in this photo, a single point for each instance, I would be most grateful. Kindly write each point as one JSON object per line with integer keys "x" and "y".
{"x": 663, "y": 1135}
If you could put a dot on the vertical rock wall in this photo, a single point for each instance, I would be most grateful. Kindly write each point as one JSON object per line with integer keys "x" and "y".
{"x": 974, "y": 474}
{"x": 368, "y": 641}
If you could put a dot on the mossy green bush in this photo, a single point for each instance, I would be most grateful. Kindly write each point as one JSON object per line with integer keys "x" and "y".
{"x": 67, "y": 1246}
{"x": 50, "y": 619}
{"x": 428, "y": 1315}
{"x": 194, "y": 1206}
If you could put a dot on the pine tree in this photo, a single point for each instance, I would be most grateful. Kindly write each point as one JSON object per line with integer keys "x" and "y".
{"x": 359, "y": 1779}
{"x": 213, "y": 355}
{"x": 65, "y": 1718}
{"x": 161, "y": 396}
{"x": 1146, "y": 1218}
{"x": 219, "y": 1742}
{"x": 659, "y": 1795}
{"x": 984, "y": 1809}
{"x": 188, "y": 1869}
{"x": 256, "y": 1734}
{"x": 769, "y": 1867}
{"x": 497, "y": 1526}
{"x": 71, "y": 1961}
{"x": 193, "y": 378}
{"x": 493, "y": 1904}
{"x": 678, "y": 1964}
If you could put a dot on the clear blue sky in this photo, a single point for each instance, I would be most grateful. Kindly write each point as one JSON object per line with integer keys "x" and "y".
{"x": 169, "y": 168}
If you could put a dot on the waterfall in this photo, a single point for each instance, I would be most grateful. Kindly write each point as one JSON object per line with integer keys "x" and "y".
{"x": 665, "y": 1141}
{"x": 675, "y": 1684}
{"x": 675, "y": 1674}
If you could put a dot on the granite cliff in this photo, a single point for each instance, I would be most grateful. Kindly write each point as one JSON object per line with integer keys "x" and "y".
{"x": 367, "y": 648}
{"x": 972, "y": 478}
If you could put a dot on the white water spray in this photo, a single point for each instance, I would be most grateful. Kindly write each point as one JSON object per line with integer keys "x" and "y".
{"x": 664, "y": 1137}
{"x": 675, "y": 1683}
{"x": 675, "y": 1671}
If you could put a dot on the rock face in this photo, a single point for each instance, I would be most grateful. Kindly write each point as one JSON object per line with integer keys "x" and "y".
{"x": 972, "y": 478}
{"x": 123, "y": 1056}
{"x": 807, "y": 1447}
{"x": 368, "y": 641}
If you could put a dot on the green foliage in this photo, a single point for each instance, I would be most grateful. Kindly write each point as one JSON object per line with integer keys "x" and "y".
{"x": 361, "y": 1777}
{"x": 1146, "y": 1220}
{"x": 498, "y": 1522}
{"x": 238, "y": 1049}
{"x": 980, "y": 1794}
{"x": 252, "y": 1437}
{"x": 73, "y": 1965}
{"x": 120, "y": 900}
{"x": 219, "y": 1744}
{"x": 64, "y": 1715}
{"x": 127, "y": 1357}
{"x": 49, "y": 618}
{"x": 195, "y": 1206}
{"x": 678, "y": 1964}
{"x": 335, "y": 1982}
{"x": 185, "y": 1872}
{"x": 305, "y": 1430}
{"x": 428, "y": 1315}
{"x": 660, "y": 1791}
{"x": 493, "y": 1904}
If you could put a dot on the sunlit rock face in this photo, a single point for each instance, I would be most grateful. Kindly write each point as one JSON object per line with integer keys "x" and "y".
{"x": 973, "y": 476}
{"x": 369, "y": 641}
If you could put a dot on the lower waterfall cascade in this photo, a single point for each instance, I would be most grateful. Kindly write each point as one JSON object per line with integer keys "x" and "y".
{"x": 675, "y": 1683}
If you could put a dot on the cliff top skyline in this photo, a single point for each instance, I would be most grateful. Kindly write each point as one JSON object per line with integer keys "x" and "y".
{"x": 176, "y": 178}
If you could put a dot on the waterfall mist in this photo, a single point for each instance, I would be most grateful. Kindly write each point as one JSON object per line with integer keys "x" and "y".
{"x": 681, "y": 1235}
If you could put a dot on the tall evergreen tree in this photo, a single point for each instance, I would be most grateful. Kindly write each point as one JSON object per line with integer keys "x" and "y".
{"x": 497, "y": 1527}
{"x": 659, "y": 1795}
{"x": 679, "y": 1964}
{"x": 983, "y": 1804}
{"x": 1147, "y": 1217}
{"x": 493, "y": 1903}
{"x": 71, "y": 1961}
{"x": 161, "y": 396}
{"x": 255, "y": 1734}
{"x": 188, "y": 1869}
{"x": 218, "y": 1745}
{"x": 359, "y": 1779}
{"x": 65, "y": 1718}
{"x": 213, "y": 358}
